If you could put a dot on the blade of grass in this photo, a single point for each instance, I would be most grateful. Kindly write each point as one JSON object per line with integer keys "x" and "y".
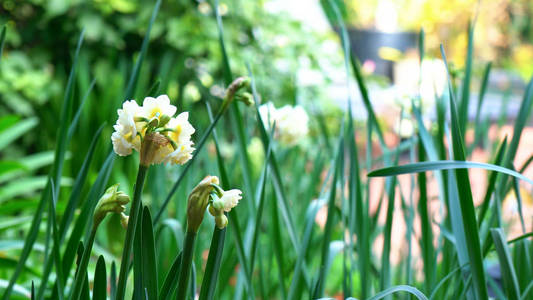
{"x": 521, "y": 120}
{"x": 171, "y": 280}
{"x": 56, "y": 257}
{"x": 55, "y": 175}
{"x": 7, "y": 136}
{"x": 481, "y": 98}
{"x": 113, "y": 281}
{"x": 426, "y": 241}
{"x": 385, "y": 276}
{"x": 321, "y": 279}
{"x": 466, "y": 201}
{"x": 400, "y": 288}
{"x": 86, "y": 212}
{"x": 465, "y": 95}
{"x": 510, "y": 280}
{"x": 332, "y": 8}
{"x": 279, "y": 254}
{"x": 72, "y": 203}
{"x": 492, "y": 182}
{"x": 76, "y": 118}
{"x": 132, "y": 83}
{"x": 149, "y": 266}
{"x": 444, "y": 165}
{"x": 100, "y": 280}
{"x": 2, "y": 41}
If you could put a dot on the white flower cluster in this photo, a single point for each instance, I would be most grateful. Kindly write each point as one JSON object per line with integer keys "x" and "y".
{"x": 291, "y": 122}
{"x": 155, "y": 116}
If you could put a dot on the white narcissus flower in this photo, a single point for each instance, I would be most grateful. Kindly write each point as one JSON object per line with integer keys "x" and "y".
{"x": 125, "y": 137}
{"x": 231, "y": 199}
{"x": 170, "y": 138}
{"x": 157, "y": 107}
{"x": 227, "y": 201}
{"x": 292, "y": 123}
{"x": 182, "y": 129}
{"x": 181, "y": 154}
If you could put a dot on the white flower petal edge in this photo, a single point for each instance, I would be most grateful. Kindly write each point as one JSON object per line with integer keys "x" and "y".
{"x": 231, "y": 199}
{"x": 120, "y": 145}
{"x": 182, "y": 129}
{"x": 152, "y": 106}
{"x": 181, "y": 155}
{"x": 125, "y": 136}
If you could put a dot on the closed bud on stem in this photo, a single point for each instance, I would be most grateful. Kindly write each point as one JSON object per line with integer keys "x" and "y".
{"x": 237, "y": 85}
{"x": 246, "y": 98}
{"x": 112, "y": 201}
{"x": 198, "y": 201}
{"x": 163, "y": 120}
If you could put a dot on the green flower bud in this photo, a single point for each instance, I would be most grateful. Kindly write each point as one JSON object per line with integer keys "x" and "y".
{"x": 198, "y": 201}
{"x": 163, "y": 120}
{"x": 112, "y": 201}
{"x": 221, "y": 221}
{"x": 246, "y": 98}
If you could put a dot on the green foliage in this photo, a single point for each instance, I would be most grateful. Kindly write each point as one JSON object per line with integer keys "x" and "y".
{"x": 305, "y": 228}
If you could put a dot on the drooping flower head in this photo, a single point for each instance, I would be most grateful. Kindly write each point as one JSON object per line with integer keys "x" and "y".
{"x": 223, "y": 201}
{"x": 152, "y": 130}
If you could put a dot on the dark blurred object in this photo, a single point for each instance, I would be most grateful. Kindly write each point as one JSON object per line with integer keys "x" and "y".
{"x": 366, "y": 45}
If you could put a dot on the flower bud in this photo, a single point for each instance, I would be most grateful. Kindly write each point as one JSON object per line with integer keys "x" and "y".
{"x": 198, "y": 201}
{"x": 112, "y": 201}
{"x": 237, "y": 85}
{"x": 246, "y": 98}
{"x": 221, "y": 221}
{"x": 163, "y": 120}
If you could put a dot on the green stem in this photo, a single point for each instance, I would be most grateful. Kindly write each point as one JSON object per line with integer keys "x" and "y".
{"x": 186, "y": 262}
{"x": 82, "y": 268}
{"x": 130, "y": 233}
{"x": 212, "y": 267}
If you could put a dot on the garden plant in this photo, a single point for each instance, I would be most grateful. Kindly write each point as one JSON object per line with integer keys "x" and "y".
{"x": 232, "y": 196}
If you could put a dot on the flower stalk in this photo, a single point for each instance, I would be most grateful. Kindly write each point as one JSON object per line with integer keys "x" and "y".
{"x": 111, "y": 201}
{"x": 186, "y": 262}
{"x": 130, "y": 232}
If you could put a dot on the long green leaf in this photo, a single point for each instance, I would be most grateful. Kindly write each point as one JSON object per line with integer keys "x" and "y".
{"x": 444, "y": 165}
{"x": 321, "y": 279}
{"x": 466, "y": 201}
{"x": 132, "y": 83}
{"x": 510, "y": 280}
{"x": 171, "y": 280}
{"x": 100, "y": 280}
{"x": 465, "y": 95}
{"x": 149, "y": 266}
{"x": 400, "y": 288}
{"x": 55, "y": 175}
{"x": 72, "y": 203}
{"x": 13, "y": 132}
{"x": 86, "y": 212}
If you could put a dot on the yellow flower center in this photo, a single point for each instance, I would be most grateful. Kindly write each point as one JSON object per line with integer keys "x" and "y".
{"x": 176, "y": 133}
{"x": 156, "y": 112}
